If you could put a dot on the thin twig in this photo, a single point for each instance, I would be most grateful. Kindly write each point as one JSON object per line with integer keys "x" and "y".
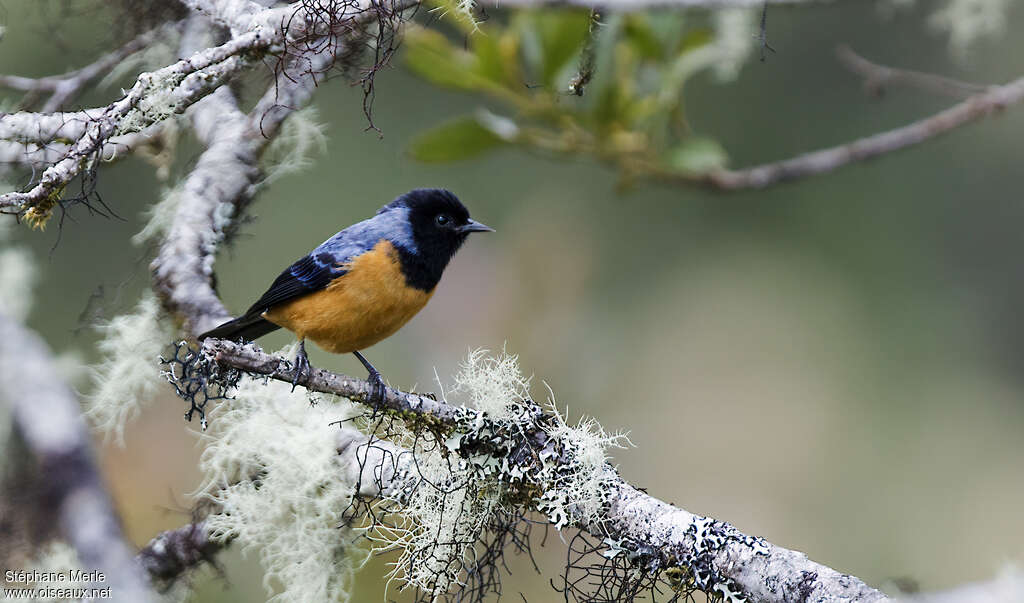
{"x": 990, "y": 102}
{"x": 878, "y": 77}
{"x": 65, "y": 88}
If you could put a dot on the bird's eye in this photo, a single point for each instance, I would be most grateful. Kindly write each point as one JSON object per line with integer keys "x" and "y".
{"x": 442, "y": 219}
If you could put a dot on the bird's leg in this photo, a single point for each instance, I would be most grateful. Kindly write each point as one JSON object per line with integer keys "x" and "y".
{"x": 376, "y": 381}
{"x": 303, "y": 370}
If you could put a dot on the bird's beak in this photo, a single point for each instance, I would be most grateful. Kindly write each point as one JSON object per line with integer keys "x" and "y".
{"x": 474, "y": 226}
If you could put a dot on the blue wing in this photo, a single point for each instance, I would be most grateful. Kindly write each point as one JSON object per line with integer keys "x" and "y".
{"x": 310, "y": 274}
{"x": 315, "y": 271}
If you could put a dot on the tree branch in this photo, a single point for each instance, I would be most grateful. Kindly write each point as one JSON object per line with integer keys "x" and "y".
{"x": 65, "y": 88}
{"x": 994, "y": 100}
{"x": 39, "y": 155}
{"x": 758, "y": 568}
{"x": 878, "y": 77}
{"x": 170, "y": 91}
{"x": 47, "y": 416}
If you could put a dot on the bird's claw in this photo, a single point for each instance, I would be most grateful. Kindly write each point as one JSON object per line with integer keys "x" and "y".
{"x": 377, "y": 388}
{"x": 303, "y": 370}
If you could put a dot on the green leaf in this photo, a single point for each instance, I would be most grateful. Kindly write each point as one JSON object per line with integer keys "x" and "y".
{"x": 697, "y": 155}
{"x": 431, "y": 56}
{"x": 561, "y": 35}
{"x": 490, "y": 63}
{"x": 696, "y": 39}
{"x": 461, "y": 138}
{"x": 637, "y": 31}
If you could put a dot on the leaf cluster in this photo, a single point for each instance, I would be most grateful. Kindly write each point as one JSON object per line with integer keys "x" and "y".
{"x": 573, "y": 82}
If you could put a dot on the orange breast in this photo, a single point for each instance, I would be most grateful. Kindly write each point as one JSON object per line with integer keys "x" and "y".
{"x": 370, "y": 302}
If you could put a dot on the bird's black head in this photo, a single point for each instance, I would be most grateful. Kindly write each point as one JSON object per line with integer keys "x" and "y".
{"x": 439, "y": 224}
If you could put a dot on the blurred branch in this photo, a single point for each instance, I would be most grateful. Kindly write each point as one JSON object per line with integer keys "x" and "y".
{"x": 66, "y": 87}
{"x": 992, "y": 101}
{"x": 46, "y": 414}
{"x": 878, "y": 77}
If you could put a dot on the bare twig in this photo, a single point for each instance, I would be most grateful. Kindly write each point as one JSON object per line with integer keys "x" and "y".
{"x": 878, "y": 77}
{"x": 64, "y": 88}
{"x": 994, "y": 100}
{"x": 47, "y": 416}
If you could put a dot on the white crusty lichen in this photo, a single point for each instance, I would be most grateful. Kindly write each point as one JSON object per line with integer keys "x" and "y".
{"x": 274, "y": 475}
{"x": 504, "y": 454}
{"x": 578, "y": 482}
{"x": 301, "y": 137}
{"x": 492, "y": 384}
{"x": 129, "y": 374}
{"x": 159, "y": 101}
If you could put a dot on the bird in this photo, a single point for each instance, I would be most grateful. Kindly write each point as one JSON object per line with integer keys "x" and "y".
{"x": 364, "y": 283}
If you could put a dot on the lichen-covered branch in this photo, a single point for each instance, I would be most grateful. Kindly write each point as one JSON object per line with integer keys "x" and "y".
{"x": 67, "y": 87}
{"x": 46, "y": 415}
{"x": 711, "y": 554}
{"x": 172, "y": 554}
{"x": 39, "y": 155}
{"x": 154, "y": 97}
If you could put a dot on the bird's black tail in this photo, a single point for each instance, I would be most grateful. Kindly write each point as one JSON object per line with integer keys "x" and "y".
{"x": 246, "y": 328}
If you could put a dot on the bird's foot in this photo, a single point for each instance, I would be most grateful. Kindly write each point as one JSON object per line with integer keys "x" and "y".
{"x": 377, "y": 388}
{"x": 303, "y": 370}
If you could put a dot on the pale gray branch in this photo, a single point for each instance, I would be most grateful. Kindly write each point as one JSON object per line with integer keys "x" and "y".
{"x": 38, "y": 156}
{"x": 46, "y": 415}
{"x": 65, "y": 88}
{"x": 994, "y": 100}
{"x": 171, "y": 90}
{"x": 878, "y": 77}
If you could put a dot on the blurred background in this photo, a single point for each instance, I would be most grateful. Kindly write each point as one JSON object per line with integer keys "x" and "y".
{"x": 835, "y": 364}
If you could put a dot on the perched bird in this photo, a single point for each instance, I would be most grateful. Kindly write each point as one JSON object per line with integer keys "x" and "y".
{"x": 364, "y": 283}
